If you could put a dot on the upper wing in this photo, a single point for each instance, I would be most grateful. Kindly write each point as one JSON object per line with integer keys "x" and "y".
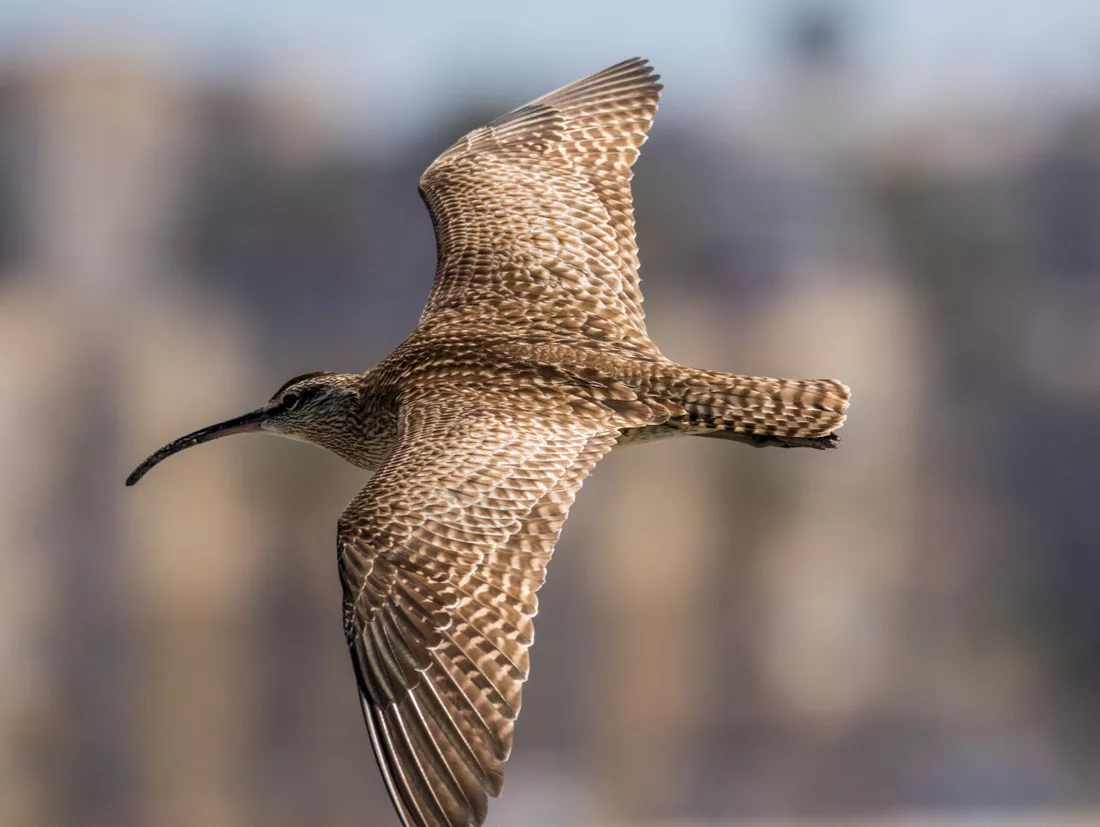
{"x": 533, "y": 215}
{"x": 440, "y": 558}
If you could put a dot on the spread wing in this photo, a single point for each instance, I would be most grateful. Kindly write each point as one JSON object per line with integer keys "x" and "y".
{"x": 533, "y": 215}
{"x": 440, "y": 559}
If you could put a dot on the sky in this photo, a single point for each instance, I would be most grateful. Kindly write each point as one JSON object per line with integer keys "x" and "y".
{"x": 403, "y": 61}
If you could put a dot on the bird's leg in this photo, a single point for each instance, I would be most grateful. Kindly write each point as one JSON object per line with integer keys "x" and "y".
{"x": 821, "y": 443}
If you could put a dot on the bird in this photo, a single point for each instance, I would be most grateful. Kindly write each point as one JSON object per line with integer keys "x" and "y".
{"x": 529, "y": 363}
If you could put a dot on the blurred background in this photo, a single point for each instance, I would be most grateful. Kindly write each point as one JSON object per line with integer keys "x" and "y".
{"x": 200, "y": 200}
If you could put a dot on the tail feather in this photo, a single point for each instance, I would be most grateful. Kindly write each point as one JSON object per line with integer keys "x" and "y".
{"x": 783, "y": 411}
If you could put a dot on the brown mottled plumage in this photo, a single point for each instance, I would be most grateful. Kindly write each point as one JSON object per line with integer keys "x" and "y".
{"x": 531, "y": 361}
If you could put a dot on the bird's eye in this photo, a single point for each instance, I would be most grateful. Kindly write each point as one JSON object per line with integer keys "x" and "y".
{"x": 291, "y": 400}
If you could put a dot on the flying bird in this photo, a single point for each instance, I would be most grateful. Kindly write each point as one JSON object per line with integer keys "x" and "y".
{"x": 530, "y": 362}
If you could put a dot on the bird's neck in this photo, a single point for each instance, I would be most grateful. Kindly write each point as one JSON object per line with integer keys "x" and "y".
{"x": 364, "y": 434}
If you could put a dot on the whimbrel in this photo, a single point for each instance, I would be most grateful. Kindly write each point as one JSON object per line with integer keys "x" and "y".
{"x": 530, "y": 362}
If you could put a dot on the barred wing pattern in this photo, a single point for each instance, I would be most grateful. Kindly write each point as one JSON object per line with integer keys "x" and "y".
{"x": 440, "y": 559}
{"x": 534, "y": 219}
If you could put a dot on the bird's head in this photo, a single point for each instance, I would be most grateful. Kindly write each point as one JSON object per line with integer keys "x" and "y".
{"x": 315, "y": 407}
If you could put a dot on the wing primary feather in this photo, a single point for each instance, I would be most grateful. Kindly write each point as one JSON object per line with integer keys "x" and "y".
{"x": 403, "y": 649}
{"x": 373, "y": 682}
{"x": 418, "y": 788}
{"x": 383, "y": 756}
{"x": 440, "y": 787}
{"x": 453, "y": 729}
{"x": 392, "y": 673}
{"x": 456, "y": 774}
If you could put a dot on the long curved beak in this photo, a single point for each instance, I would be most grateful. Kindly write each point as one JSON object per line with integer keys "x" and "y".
{"x": 240, "y": 425}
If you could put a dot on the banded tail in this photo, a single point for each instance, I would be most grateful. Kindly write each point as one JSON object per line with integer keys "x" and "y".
{"x": 762, "y": 411}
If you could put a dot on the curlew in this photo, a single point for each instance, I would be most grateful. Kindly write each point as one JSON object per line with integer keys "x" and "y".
{"x": 530, "y": 362}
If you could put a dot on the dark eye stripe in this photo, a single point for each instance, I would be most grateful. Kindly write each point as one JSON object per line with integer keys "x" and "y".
{"x": 293, "y": 399}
